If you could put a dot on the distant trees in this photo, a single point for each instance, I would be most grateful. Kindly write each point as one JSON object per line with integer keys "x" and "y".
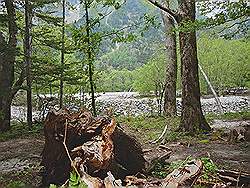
{"x": 115, "y": 80}
{"x": 226, "y": 62}
{"x": 123, "y": 58}
{"x": 151, "y": 77}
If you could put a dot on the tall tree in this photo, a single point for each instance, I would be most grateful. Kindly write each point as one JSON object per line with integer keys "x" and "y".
{"x": 8, "y": 85}
{"x": 171, "y": 71}
{"x": 62, "y": 54}
{"x": 89, "y": 57}
{"x": 27, "y": 52}
{"x": 192, "y": 118}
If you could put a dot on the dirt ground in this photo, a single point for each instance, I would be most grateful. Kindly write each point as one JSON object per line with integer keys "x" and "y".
{"x": 19, "y": 162}
{"x": 20, "y": 158}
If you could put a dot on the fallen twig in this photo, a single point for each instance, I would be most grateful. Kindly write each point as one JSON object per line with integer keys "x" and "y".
{"x": 66, "y": 149}
{"x": 238, "y": 179}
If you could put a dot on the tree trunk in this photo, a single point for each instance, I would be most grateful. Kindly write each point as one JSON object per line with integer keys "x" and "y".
{"x": 5, "y": 88}
{"x": 171, "y": 71}
{"x": 27, "y": 49}
{"x": 7, "y": 60}
{"x": 192, "y": 118}
{"x": 90, "y": 60}
{"x": 62, "y": 56}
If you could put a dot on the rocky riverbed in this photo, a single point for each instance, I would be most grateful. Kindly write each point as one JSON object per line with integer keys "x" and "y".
{"x": 130, "y": 103}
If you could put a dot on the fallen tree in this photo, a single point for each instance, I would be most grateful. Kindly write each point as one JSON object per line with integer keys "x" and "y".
{"x": 95, "y": 145}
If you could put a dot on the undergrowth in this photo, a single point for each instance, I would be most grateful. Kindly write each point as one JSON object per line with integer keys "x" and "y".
{"x": 21, "y": 130}
{"x": 149, "y": 128}
{"x": 161, "y": 170}
{"x": 208, "y": 174}
{"x": 210, "y": 169}
{"x": 74, "y": 182}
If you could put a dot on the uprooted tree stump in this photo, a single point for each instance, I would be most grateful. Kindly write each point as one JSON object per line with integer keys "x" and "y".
{"x": 95, "y": 145}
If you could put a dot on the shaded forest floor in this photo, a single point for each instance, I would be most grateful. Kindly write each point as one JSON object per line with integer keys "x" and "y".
{"x": 20, "y": 154}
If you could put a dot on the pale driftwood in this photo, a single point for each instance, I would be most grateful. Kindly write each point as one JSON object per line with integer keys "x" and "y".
{"x": 161, "y": 136}
{"x": 212, "y": 89}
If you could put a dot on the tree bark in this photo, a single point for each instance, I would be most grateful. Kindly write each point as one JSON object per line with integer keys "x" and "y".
{"x": 7, "y": 60}
{"x": 5, "y": 87}
{"x": 27, "y": 49}
{"x": 171, "y": 71}
{"x": 192, "y": 118}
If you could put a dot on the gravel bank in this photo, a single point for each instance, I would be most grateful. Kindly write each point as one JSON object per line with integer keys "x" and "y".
{"x": 134, "y": 106}
{"x": 129, "y": 103}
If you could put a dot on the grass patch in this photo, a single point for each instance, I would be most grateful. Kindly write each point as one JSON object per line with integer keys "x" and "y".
{"x": 21, "y": 130}
{"x": 148, "y": 128}
{"x": 244, "y": 115}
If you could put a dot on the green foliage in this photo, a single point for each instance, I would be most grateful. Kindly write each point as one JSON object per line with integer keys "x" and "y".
{"x": 74, "y": 182}
{"x": 206, "y": 141}
{"x": 210, "y": 168}
{"x": 159, "y": 171}
{"x": 115, "y": 80}
{"x": 226, "y": 11}
{"x": 151, "y": 76}
{"x": 74, "y": 179}
{"x": 120, "y": 58}
{"x": 16, "y": 184}
{"x": 52, "y": 186}
{"x": 49, "y": 19}
{"x": 226, "y": 62}
{"x": 162, "y": 170}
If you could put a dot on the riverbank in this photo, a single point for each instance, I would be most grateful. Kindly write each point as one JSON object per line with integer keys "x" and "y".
{"x": 129, "y": 103}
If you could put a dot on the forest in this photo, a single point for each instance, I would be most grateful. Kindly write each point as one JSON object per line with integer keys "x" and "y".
{"x": 124, "y": 93}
